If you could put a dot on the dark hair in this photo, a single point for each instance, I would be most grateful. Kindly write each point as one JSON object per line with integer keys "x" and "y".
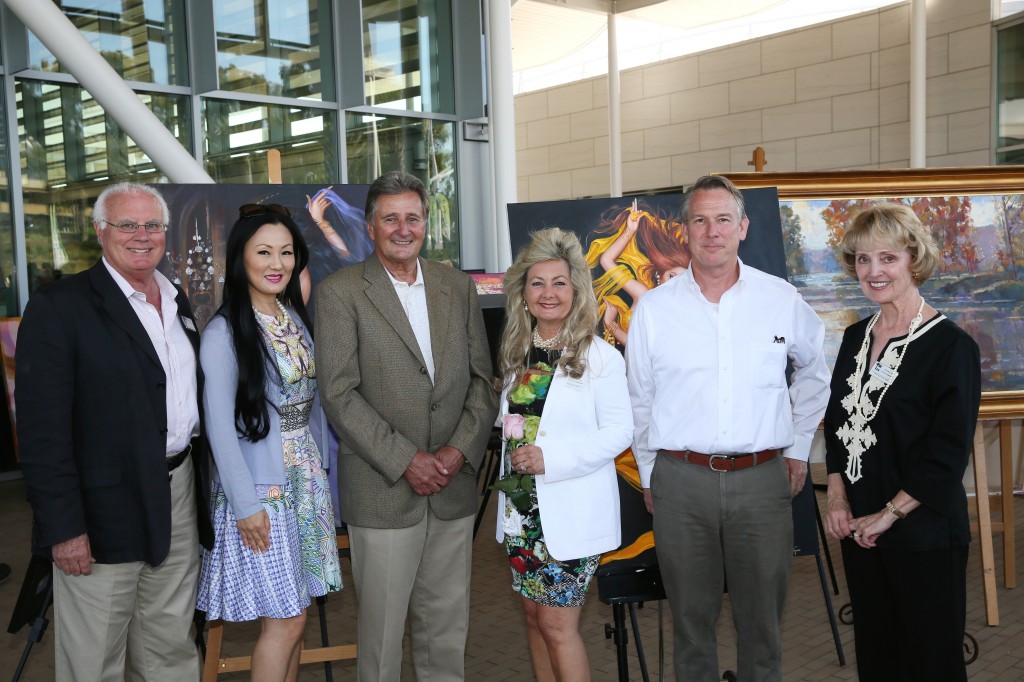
{"x": 251, "y": 353}
{"x": 711, "y": 182}
{"x": 391, "y": 183}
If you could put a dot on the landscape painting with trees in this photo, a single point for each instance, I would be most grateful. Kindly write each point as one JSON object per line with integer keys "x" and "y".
{"x": 979, "y": 283}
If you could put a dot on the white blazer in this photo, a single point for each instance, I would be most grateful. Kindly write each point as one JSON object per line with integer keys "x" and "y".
{"x": 586, "y": 423}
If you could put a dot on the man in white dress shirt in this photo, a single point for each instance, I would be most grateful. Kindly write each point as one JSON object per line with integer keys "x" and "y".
{"x": 111, "y": 450}
{"x": 707, "y": 362}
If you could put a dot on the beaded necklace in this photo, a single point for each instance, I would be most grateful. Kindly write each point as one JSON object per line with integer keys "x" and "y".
{"x": 856, "y": 433}
{"x": 554, "y": 343}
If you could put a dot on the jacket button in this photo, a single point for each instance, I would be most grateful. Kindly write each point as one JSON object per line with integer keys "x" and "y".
{"x": 161, "y": 386}
{"x": 423, "y": 370}
{"x": 433, "y": 408}
{"x": 543, "y": 433}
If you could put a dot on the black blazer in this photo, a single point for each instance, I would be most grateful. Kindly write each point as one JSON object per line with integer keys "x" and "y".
{"x": 92, "y": 422}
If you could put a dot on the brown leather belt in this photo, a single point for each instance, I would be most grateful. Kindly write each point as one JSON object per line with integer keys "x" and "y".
{"x": 723, "y": 463}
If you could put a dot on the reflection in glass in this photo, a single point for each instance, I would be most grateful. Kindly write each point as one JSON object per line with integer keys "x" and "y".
{"x": 422, "y": 147}
{"x": 8, "y": 278}
{"x": 70, "y": 151}
{"x": 1010, "y": 94}
{"x": 407, "y": 54}
{"x": 238, "y": 135}
{"x": 273, "y": 47}
{"x": 144, "y": 40}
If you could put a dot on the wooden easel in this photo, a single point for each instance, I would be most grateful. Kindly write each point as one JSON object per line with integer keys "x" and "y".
{"x": 214, "y": 665}
{"x": 984, "y": 527}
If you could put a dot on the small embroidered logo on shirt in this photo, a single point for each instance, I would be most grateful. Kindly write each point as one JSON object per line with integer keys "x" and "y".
{"x": 779, "y": 339}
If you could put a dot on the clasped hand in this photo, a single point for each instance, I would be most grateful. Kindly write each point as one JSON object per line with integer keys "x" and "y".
{"x": 429, "y": 473}
{"x": 864, "y": 530}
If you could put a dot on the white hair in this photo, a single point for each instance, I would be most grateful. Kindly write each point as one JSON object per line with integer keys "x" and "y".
{"x": 99, "y": 209}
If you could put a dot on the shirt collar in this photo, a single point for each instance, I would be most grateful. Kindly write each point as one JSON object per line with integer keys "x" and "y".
{"x": 166, "y": 288}
{"x": 417, "y": 282}
{"x": 688, "y": 274}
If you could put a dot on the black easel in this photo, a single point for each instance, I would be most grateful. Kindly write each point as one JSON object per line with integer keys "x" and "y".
{"x": 34, "y": 601}
{"x": 628, "y": 588}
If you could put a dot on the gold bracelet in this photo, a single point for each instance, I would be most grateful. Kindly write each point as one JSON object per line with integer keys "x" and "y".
{"x": 895, "y": 510}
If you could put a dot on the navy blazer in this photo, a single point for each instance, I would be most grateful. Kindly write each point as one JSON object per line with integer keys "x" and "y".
{"x": 92, "y": 422}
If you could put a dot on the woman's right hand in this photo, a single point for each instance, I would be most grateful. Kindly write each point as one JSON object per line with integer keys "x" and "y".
{"x": 838, "y": 515}
{"x": 633, "y": 221}
{"x": 255, "y": 531}
{"x": 317, "y": 206}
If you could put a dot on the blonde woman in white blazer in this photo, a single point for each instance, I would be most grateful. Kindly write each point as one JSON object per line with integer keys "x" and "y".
{"x": 565, "y": 416}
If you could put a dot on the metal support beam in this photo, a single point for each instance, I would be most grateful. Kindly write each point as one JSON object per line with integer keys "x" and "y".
{"x": 501, "y": 111}
{"x": 918, "y": 83}
{"x": 120, "y": 102}
{"x": 614, "y": 112}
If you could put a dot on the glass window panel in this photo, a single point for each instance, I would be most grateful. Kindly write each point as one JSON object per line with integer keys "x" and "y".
{"x": 239, "y": 134}
{"x": 70, "y": 151}
{"x": 8, "y": 276}
{"x": 407, "y": 48}
{"x": 1010, "y": 91}
{"x": 275, "y": 47}
{"x": 426, "y": 149}
{"x": 144, "y": 40}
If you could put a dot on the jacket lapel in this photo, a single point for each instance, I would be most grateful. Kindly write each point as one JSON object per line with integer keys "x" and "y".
{"x": 381, "y": 293}
{"x": 185, "y": 313}
{"x": 120, "y": 310}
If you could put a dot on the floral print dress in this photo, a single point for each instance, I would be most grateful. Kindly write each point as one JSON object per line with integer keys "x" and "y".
{"x": 236, "y": 583}
{"x": 536, "y": 575}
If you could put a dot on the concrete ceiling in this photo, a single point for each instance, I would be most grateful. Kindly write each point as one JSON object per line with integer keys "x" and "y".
{"x": 544, "y": 31}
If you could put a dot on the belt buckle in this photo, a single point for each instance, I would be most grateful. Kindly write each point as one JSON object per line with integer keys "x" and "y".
{"x": 711, "y": 463}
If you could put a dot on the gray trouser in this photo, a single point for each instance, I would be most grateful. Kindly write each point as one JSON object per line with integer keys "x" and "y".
{"x": 711, "y": 528}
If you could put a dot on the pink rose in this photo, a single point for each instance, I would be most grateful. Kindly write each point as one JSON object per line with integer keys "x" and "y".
{"x": 513, "y": 426}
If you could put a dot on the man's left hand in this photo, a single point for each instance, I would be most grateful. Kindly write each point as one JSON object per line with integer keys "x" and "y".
{"x": 796, "y": 469}
{"x": 452, "y": 459}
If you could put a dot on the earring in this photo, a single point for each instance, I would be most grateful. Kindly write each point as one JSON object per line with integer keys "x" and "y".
{"x": 525, "y": 307}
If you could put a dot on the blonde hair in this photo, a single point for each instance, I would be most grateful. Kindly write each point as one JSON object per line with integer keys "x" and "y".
{"x": 899, "y": 227}
{"x": 577, "y": 330}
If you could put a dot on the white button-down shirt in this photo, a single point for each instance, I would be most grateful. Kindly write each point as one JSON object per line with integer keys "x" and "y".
{"x": 712, "y": 378}
{"x": 176, "y": 354}
{"x": 414, "y": 301}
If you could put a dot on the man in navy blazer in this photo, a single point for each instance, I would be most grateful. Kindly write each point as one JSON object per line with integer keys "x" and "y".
{"x": 111, "y": 450}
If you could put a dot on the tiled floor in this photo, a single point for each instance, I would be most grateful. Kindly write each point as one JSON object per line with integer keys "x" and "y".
{"x": 497, "y": 644}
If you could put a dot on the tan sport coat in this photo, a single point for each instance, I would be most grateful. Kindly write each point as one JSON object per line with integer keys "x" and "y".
{"x": 377, "y": 393}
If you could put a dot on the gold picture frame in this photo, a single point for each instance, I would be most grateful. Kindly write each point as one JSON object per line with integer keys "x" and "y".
{"x": 923, "y": 182}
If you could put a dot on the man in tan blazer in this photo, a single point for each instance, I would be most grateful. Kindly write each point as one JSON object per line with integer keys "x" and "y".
{"x": 403, "y": 369}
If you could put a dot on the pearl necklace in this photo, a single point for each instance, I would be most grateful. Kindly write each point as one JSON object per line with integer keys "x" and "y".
{"x": 284, "y": 319}
{"x": 555, "y": 342}
{"x": 856, "y": 433}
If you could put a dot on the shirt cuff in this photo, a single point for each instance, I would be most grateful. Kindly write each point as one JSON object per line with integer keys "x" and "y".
{"x": 800, "y": 449}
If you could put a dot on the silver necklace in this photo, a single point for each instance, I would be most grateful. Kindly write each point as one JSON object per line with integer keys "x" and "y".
{"x": 856, "y": 433}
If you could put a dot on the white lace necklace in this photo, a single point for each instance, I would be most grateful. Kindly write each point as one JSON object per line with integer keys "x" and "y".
{"x": 856, "y": 433}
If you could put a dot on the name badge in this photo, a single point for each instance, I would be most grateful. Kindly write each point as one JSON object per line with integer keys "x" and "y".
{"x": 189, "y": 324}
{"x": 883, "y": 373}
